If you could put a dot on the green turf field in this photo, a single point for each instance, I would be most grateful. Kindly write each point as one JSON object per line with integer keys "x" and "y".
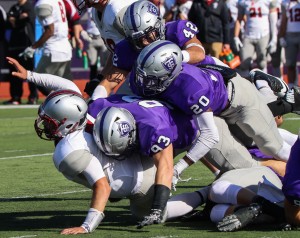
{"x": 37, "y": 201}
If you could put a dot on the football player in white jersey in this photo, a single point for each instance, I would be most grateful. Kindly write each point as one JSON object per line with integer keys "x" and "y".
{"x": 289, "y": 36}
{"x": 63, "y": 118}
{"x": 260, "y": 32}
{"x": 57, "y": 50}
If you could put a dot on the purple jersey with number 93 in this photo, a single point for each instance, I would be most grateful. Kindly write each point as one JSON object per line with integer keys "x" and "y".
{"x": 157, "y": 125}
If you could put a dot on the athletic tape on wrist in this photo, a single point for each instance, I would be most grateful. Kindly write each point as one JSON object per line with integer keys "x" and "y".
{"x": 92, "y": 220}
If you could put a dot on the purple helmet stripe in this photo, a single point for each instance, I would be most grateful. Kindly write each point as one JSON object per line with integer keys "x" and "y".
{"x": 132, "y": 17}
{"x": 151, "y": 51}
{"x": 101, "y": 129}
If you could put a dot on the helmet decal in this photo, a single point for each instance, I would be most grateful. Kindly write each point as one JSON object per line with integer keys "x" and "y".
{"x": 153, "y": 9}
{"x": 123, "y": 128}
{"x": 169, "y": 64}
{"x": 151, "y": 51}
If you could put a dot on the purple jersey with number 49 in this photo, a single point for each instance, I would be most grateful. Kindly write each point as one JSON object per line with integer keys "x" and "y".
{"x": 157, "y": 125}
{"x": 194, "y": 90}
{"x": 179, "y": 32}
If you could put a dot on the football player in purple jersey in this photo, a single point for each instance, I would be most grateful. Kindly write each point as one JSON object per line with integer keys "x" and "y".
{"x": 291, "y": 185}
{"x": 203, "y": 93}
{"x": 142, "y": 24}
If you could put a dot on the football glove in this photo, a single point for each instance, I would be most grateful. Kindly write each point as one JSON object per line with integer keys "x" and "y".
{"x": 282, "y": 42}
{"x": 85, "y": 36}
{"x": 155, "y": 217}
{"x": 272, "y": 47}
{"x": 175, "y": 179}
{"x": 27, "y": 53}
{"x": 238, "y": 44}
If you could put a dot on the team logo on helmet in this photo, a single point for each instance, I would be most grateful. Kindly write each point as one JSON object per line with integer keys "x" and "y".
{"x": 153, "y": 9}
{"x": 123, "y": 128}
{"x": 169, "y": 64}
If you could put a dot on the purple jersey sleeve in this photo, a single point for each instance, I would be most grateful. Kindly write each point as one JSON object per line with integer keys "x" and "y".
{"x": 180, "y": 31}
{"x": 124, "y": 55}
{"x": 291, "y": 180}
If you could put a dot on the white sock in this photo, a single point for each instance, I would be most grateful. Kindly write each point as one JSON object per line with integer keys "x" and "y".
{"x": 184, "y": 203}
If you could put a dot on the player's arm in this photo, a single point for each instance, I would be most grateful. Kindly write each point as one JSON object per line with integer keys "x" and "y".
{"x": 164, "y": 163}
{"x": 113, "y": 79}
{"x": 93, "y": 174}
{"x": 44, "y": 12}
{"x": 49, "y": 81}
{"x": 193, "y": 52}
{"x": 208, "y": 137}
{"x": 101, "y": 192}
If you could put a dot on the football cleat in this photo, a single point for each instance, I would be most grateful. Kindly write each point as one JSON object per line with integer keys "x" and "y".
{"x": 278, "y": 86}
{"x": 240, "y": 218}
{"x": 293, "y": 97}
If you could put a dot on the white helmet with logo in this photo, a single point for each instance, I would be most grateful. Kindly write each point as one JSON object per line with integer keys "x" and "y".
{"x": 157, "y": 66}
{"x": 115, "y": 131}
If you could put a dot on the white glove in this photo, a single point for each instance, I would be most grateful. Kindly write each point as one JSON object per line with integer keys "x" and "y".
{"x": 85, "y": 36}
{"x": 282, "y": 42}
{"x": 238, "y": 44}
{"x": 272, "y": 47}
{"x": 27, "y": 53}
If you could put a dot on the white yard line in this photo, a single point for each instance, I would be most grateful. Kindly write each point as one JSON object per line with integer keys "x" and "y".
{"x": 43, "y": 195}
{"x": 27, "y": 236}
{"x": 25, "y": 156}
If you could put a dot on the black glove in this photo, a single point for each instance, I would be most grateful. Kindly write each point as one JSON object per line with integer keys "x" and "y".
{"x": 91, "y": 85}
{"x": 155, "y": 217}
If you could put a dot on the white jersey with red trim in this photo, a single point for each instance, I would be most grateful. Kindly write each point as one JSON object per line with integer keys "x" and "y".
{"x": 257, "y": 14}
{"x": 105, "y": 22}
{"x": 292, "y": 9}
{"x": 77, "y": 154}
{"x": 58, "y": 45}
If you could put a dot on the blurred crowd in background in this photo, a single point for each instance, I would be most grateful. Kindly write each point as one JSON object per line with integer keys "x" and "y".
{"x": 267, "y": 37}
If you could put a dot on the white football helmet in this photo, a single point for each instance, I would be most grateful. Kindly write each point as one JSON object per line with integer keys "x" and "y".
{"x": 157, "y": 66}
{"x": 62, "y": 112}
{"x": 115, "y": 131}
{"x": 142, "y": 20}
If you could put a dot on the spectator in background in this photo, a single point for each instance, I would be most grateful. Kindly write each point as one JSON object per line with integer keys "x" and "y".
{"x": 278, "y": 57}
{"x": 57, "y": 50}
{"x": 233, "y": 12}
{"x": 289, "y": 37}
{"x": 96, "y": 47}
{"x": 179, "y": 10}
{"x": 2, "y": 37}
{"x": 260, "y": 36}
{"x": 212, "y": 19}
{"x": 74, "y": 25}
{"x": 20, "y": 23}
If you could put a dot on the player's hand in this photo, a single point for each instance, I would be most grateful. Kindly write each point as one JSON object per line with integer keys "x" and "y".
{"x": 272, "y": 47}
{"x": 238, "y": 44}
{"x": 27, "y": 53}
{"x": 20, "y": 72}
{"x": 90, "y": 86}
{"x": 155, "y": 217}
{"x": 282, "y": 42}
{"x": 85, "y": 36}
{"x": 175, "y": 179}
{"x": 73, "y": 231}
